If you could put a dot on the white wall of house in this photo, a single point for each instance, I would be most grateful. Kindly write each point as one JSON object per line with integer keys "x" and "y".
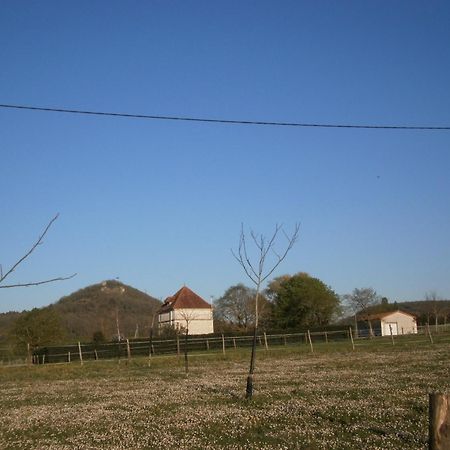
{"x": 198, "y": 320}
{"x": 399, "y": 322}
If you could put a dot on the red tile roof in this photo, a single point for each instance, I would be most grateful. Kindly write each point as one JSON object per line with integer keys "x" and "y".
{"x": 184, "y": 298}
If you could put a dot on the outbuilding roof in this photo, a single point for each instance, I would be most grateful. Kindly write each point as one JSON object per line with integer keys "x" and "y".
{"x": 184, "y": 299}
{"x": 382, "y": 315}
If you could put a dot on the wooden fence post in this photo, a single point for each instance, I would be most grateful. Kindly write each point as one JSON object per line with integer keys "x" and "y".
{"x": 80, "y": 353}
{"x": 429, "y": 333}
{"x": 178, "y": 345}
{"x": 223, "y": 344}
{"x": 439, "y": 421}
{"x": 326, "y": 337}
{"x": 284, "y": 339}
{"x": 68, "y": 357}
{"x": 392, "y": 334}
{"x": 207, "y": 344}
{"x": 150, "y": 346}
{"x": 265, "y": 341}
{"x": 28, "y": 354}
{"x": 95, "y": 354}
{"x": 234, "y": 343}
{"x": 351, "y": 337}
{"x": 310, "y": 342}
{"x": 128, "y": 350}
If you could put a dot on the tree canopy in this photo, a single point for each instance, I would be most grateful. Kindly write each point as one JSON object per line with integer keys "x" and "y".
{"x": 362, "y": 298}
{"x": 302, "y": 301}
{"x": 38, "y": 327}
{"x": 237, "y": 307}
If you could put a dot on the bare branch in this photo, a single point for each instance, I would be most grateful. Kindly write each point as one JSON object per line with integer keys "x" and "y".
{"x": 24, "y": 257}
{"x": 264, "y": 247}
{"x": 241, "y": 262}
{"x": 242, "y": 244}
{"x": 272, "y": 239}
{"x": 259, "y": 244}
{"x": 37, "y": 283}
{"x": 291, "y": 241}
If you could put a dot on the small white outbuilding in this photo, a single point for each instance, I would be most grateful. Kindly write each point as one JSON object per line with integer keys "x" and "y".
{"x": 395, "y": 322}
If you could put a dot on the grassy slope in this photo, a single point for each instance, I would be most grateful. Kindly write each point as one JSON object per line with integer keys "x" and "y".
{"x": 375, "y": 397}
{"x": 94, "y": 309}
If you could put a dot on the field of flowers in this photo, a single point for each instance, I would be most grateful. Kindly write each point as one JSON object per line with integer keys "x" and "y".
{"x": 372, "y": 398}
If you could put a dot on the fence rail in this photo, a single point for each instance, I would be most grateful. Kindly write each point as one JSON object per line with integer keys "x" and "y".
{"x": 126, "y": 349}
{"x": 149, "y": 347}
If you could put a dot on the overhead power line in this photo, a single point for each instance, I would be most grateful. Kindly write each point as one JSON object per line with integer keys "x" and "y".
{"x": 228, "y": 121}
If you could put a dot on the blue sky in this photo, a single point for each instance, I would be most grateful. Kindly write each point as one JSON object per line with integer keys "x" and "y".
{"x": 159, "y": 204}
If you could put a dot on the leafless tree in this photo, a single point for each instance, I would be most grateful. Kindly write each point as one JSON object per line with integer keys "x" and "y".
{"x": 8, "y": 272}
{"x": 256, "y": 270}
{"x": 187, "y": 317}
{"x": 434, "y": 306}
{"x": 359, "y": 300}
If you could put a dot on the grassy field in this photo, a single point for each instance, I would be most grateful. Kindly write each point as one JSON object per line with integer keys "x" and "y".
{"x": 372, "y": 398}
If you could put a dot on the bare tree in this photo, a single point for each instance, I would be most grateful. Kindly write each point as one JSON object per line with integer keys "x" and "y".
{"x": 8, "y": 272}
{"x": 434, "y": 305}
{"x": 187, "y": 317}
{"x": 236, "y": 307}
{"x": 359, "y": 300}
{"x": 257, "y": 272}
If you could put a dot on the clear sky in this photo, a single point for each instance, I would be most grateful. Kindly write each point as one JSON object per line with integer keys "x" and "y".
{"x": 159, "y": 204}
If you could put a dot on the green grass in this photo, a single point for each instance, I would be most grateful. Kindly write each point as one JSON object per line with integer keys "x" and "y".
{"x": 373, "y": 398}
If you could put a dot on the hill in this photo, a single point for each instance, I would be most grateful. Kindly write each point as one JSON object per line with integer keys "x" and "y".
{"x": 105, "y": 307}
{"x": 6, "y": 320}
{"x": 102, "y": 307}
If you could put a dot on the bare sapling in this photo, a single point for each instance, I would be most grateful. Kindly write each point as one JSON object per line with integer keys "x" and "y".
{"x": 187, "y": 317}
{"x": 186, "y": 360}
{"x": 257, "y": 271}
{"x": 150, "y": 343}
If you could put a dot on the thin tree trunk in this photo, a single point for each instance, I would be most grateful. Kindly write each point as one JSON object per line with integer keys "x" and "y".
{"x": 186, "y": 360}
{"x": 150, "y": 343}
{"x": 249, "y": 390}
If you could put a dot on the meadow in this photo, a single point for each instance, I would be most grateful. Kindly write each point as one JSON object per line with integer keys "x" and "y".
{"x": 375, "y": 397}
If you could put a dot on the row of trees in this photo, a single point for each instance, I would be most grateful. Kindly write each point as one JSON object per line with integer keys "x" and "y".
{"x": 290, "y": 301}
{"x": 301, "y": 301}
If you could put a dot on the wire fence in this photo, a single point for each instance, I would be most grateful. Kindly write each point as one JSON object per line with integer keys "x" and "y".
{"x": 140, "y": 347}
{"x": 152, "y": 347}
